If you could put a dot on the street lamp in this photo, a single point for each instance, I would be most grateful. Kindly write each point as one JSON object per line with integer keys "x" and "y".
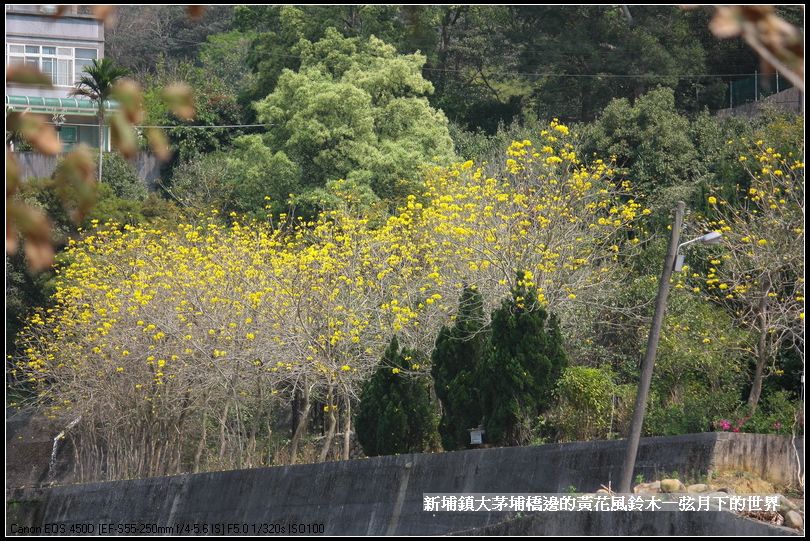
{"x": 672, "y": 262}
{"x": 712, "y": 237}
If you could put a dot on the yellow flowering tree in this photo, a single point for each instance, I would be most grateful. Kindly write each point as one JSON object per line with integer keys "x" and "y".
{"x": 759, "y": 271}
{"x": 173, "y": 350}
{"x": 543, "y": 212}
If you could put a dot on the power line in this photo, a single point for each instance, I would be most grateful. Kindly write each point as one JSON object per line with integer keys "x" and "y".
{"x": 612, "y": 75}
{"x": 169, "y": 127}
{"x": 216, "y": 126}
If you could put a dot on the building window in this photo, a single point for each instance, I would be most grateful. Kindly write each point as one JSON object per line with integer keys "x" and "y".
{"x": 68, "y": 136}
{"x": 84, "y": 57}
{"x": 64, "y": 65}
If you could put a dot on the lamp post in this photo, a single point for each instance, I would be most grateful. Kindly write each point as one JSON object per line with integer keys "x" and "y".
{"x": 673, "y": 261}
{"x": 713, "y": 237}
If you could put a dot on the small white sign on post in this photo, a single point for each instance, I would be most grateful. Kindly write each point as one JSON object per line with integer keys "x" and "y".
{"x": 476, "y": 436}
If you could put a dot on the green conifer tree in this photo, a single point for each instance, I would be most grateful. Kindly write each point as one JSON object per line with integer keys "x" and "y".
{"x": 524, "y": 359}
{"x": 458, "y": 351}
{"x": 395, "y": 414}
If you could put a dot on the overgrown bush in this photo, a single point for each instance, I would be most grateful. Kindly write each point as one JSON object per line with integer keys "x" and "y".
{"x": 202, "y": 182}
{"x": 586, "y": 403}
{"x": 776, "y": 415}
{"x": 690, "y": 408}
{"x": 649, "y": 137}
{"x": 121, "y": 176}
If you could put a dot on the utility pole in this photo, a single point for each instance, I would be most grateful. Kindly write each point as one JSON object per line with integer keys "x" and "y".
{"x": 652, "y": 346}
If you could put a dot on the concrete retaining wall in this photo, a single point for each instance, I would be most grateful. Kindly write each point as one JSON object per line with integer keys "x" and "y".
{"x": 383, "y": 495}
{"x": 777, "y": 459}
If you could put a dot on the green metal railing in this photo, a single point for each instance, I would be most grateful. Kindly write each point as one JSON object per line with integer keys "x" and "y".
{"x": 65, "y": 106}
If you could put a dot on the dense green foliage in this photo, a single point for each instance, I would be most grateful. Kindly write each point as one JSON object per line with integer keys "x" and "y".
{"x": 24, "y": 291}
{"x": 280, "y": 29}
{"x": 591, "y": 405}
{"x": 121, "y": 176}
{"x": 492, "y": 64}
{"x": 202, "y": 182}
{"x": 256, "y": 172}
{"x": 355, "y": 110}
{"x": 459, "y": 350}
{"x": 649, "y": 138}
{"x": 139, "y": 36}
{"x": 395, "y": 414}
{"x": 223, "y": 57}
{"x": 215, "y": 105}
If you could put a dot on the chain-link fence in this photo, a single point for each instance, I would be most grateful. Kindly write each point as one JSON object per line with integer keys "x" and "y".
{"x": 754, "y": 88}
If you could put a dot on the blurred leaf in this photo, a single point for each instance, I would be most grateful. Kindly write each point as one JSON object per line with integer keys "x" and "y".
{"x": 11, "y": 234}
{"x": 39, "y": 253}
{"x": 158, "y": 143}
{"x": 779, "y": 44}
{"x": 75, "y": 183}
{"x": 12, "y": 183}
{"x": 195, "y": 12}
{"x": 35, "y": 228}
{"x": 34, "y": 129}
{"x": 104, "y": 13}
{"x": 756, "y": 12}
{"x": 26, "y": 74}
{"x": 129, "y": 96}
{"x": 122, "y": 136}
{"x": 180, "y": 100}
{"x": 726, "y": 22}
{"x": 12, "y": 175}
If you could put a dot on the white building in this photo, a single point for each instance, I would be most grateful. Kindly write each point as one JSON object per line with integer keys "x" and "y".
{"x": 60, "y": 47}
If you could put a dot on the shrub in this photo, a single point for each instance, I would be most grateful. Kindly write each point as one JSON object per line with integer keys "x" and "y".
{"x": 586, "y": 403}
{"x": 775, "y": 416}
{"x": 121, "y": 176}
{"x": 202, "y": 182}
{"x": 691, "y": 408}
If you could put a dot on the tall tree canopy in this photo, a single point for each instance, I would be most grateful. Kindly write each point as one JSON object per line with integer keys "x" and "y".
{"x": 355, "y": 110}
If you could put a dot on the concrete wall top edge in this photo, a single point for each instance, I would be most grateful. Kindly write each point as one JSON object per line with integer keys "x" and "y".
{"x": 482, "y": 456}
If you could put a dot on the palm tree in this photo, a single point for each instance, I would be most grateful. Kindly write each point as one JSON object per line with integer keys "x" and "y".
{"x": 97, "y": 85}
